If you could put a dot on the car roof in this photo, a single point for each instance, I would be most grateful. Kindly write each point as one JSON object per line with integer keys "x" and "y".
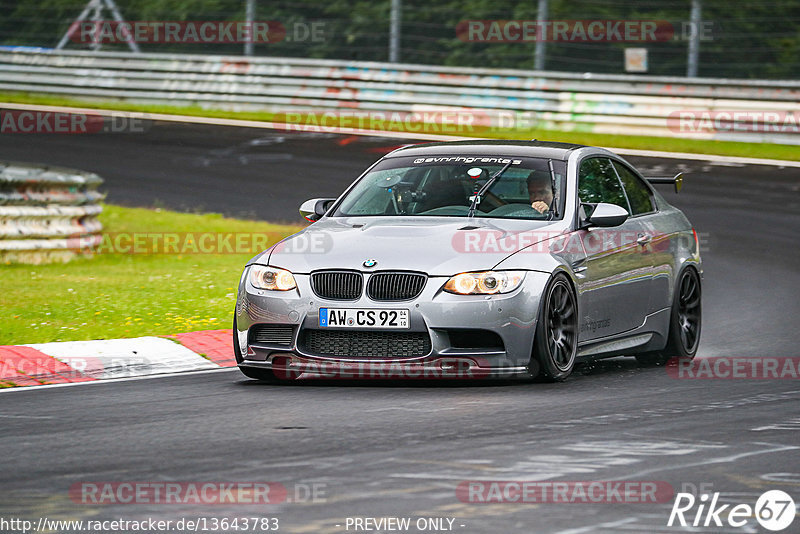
{"x": 490, "y": 147}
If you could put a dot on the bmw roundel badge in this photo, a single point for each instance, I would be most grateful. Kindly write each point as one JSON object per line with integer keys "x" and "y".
{"x": 370, "y": 263}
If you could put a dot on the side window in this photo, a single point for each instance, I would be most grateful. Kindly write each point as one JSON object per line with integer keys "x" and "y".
{"x": 639, "y": 195}
{"x": 597, "y": 182}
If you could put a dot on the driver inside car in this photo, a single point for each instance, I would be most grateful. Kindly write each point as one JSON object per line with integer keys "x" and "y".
{"x": 540, "y": 191}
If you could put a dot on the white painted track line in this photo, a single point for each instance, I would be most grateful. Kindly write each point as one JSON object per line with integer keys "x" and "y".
{"x": 122, "y": 358}
{"x": 117, "y": 380}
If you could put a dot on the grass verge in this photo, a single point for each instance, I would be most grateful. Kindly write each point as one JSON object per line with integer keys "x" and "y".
{"x": 667, "y": 144}
{"x": 115, "y": 295}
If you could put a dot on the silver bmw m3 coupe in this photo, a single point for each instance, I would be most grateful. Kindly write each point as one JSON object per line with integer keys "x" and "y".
{"x": 475, "y": 259}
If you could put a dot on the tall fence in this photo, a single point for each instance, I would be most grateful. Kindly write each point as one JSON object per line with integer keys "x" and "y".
{"x": 755, "y": 40}
{"x": 45, "y": 210}
{"x": 737, "y": 110}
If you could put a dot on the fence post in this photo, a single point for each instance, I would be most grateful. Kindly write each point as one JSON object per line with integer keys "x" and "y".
{"x": 394, "y": 31}
{"x": 694, "y": 40}
{"x": 539, "y": 53}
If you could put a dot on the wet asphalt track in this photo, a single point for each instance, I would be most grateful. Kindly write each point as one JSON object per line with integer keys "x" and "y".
{"x": 399, "y": 449}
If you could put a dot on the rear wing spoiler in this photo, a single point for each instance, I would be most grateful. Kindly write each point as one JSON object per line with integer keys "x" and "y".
{"x": 676, "y": 181}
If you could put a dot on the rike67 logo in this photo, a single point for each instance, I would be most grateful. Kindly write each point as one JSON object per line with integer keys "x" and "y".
{"x": 774, "y": 510}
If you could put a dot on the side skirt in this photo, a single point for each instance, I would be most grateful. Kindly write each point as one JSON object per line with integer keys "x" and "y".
{"x": 651, "y": 335}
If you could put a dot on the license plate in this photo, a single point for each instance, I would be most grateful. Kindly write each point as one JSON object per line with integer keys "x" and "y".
{"x": 362, "y": 318}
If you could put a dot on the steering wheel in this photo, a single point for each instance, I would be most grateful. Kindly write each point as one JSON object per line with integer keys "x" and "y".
{"x": 493, "y": 199}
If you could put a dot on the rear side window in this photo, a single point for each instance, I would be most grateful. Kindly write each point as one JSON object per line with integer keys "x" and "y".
{"x": 639, "y": 195}
{"x": 597, "y": 182}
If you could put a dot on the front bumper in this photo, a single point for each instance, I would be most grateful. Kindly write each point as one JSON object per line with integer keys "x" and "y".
{"x": 442, "y": 316}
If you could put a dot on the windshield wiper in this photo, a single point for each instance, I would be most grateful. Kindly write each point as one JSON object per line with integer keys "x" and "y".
{"x": 486, "y": 186}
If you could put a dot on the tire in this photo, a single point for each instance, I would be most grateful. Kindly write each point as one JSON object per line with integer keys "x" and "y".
{"x": 685, "y": 322}
{"x": 250, "y": 372}
{"x": 556, "y": 341}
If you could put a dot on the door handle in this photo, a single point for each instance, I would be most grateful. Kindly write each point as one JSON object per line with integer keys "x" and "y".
{"x": 643, "y": 239}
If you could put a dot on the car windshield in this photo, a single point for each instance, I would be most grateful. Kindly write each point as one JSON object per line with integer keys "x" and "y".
{"x": 443, "y": 186}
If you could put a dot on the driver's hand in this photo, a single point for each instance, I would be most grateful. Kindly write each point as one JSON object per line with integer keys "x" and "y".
{"x": 540, "y": 206}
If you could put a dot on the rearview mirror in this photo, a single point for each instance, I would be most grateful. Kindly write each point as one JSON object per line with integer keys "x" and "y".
{"x": 312, "y": 210}
{"x": 607, "y": 215}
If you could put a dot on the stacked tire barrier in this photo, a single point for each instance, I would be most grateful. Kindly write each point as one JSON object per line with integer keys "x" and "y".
{"x": 607, "y": 104}
{"x": 47, "y": 214}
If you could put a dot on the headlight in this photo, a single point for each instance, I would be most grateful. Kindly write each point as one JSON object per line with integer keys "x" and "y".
{"x": 484, "y": 283}
{"x": 271, "y": 278}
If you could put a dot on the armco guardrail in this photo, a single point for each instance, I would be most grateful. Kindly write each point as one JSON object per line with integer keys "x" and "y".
{"x": 741, "y": 110}
{"x": 44, "y": 210}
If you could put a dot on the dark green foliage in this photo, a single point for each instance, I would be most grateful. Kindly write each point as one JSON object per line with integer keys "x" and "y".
{"x": 754, "y": 39}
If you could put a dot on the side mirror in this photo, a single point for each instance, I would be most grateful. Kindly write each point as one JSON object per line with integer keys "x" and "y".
{"x": 607, "y": 215}
{"x": 315, "y": 208}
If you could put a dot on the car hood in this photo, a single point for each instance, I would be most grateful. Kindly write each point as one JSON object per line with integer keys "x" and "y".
{"x": 437, "y": 246}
